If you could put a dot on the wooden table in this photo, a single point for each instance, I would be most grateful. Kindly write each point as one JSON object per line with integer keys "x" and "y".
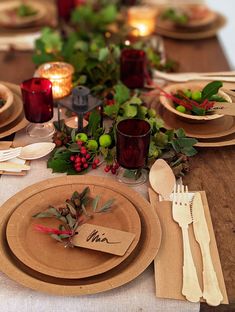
{"x": 212, "y": 170}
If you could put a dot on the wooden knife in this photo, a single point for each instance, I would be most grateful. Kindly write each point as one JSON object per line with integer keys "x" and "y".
{"x": 211, "y": 290}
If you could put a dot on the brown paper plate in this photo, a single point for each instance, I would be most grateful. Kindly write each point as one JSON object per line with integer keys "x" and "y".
{"x": 49, "y": 19}
{"x": 228, "y": 140}
{"x": 129, "y": 269}
{"x": 211, "y": 129}
{"x": 20, "y": 122}
{"x": 43, "y": 254}
{"x": 185, "y": 34}
{"x": 191, "y": 25}
{"x": 6, "y": 19}
{"x": 17, "y": 109}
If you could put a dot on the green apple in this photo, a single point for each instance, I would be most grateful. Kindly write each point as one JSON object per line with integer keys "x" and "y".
{"x": 105, "y": 140}
{"x": 196, "y": 96}
{"x": 92, "y": 145}
{"x": 181, "y": 109}
{"x": 81, "y": 137}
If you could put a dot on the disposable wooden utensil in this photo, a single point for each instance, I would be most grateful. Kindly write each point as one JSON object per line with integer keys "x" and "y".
{"x": 13, "y": 166}
{"x": 162, "y": 178}
{"x": 181, "y": 214}
{"x": 211, "y": 289}
{"x": 36, "y": 150}
{"x": 184, "y": 77}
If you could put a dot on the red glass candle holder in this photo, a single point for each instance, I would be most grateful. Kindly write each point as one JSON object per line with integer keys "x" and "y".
{"x": 133, "y": 138}
{"x": 64, "y": 8}
{"x": 38, "y": 106}
{"x": 132, "y": 68}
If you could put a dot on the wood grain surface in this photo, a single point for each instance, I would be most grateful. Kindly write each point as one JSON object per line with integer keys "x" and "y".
{"x": 212, "y": 170}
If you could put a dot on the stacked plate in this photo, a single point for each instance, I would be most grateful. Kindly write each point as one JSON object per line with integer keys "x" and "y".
{"x": 15, "y": 120}
{"x": 21, "y": 17}
{"x": 205, "y": 27}
{"x": 212, "y": 133}
{"x": 36, "y": 261}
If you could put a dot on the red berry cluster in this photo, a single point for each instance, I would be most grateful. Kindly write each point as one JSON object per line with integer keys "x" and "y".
{"x": 83, "y": 159}
{"x": 113, "y": 168}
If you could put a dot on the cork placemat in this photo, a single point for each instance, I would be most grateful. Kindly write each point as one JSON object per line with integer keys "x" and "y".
{"x": 169, "y": 261}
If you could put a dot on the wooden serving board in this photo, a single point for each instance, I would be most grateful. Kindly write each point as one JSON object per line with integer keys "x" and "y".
{"x": 169, "y": 261}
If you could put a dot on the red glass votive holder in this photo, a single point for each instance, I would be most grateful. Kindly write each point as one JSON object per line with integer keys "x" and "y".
{"x": 38, "y": 106}
{"x": 133, "y": 137}
{"x": 132, "y": 68}
{"x": 64, "y": 8}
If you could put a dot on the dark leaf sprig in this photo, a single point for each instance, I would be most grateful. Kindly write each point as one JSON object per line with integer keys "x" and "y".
{"x": 73, "y": 215}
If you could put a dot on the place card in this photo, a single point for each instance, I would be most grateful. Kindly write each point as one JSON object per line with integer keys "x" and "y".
{"x": 224, "y": 108}
{"x": 103, "y": 239}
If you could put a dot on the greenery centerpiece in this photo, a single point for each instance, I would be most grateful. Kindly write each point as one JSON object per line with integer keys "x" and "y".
{"x": 93, "y": 47}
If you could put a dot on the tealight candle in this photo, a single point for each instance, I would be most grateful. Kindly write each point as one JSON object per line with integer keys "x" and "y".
{"x": 72, "y": 122}
{"x": 60, "y": 74}
{"x": 142, "y": 19}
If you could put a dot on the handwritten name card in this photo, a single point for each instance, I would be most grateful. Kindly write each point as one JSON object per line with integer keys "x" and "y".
{"x": 103, "y": 239}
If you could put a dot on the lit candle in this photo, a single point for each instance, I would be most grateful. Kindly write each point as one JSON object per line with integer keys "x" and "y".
{"x": 60, "y": 74}
{"x": 72, "y": 122}
{"x": 142, "y": 19}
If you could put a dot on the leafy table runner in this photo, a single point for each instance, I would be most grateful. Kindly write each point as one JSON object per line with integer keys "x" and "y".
{"x": 138, "y": 295}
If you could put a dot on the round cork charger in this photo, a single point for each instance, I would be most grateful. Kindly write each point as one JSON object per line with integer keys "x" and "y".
{"x": 144, "y": 253}
{"x": 48, "y": 256}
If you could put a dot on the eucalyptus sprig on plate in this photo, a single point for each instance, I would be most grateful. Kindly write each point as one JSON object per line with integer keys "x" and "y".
{"x": 73, "y": 214}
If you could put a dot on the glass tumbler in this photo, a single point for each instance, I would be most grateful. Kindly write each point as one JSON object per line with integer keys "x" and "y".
{"x": 132, "y": 67}
{"x": 38, "y": 106}
{"x": 133, "y": 138}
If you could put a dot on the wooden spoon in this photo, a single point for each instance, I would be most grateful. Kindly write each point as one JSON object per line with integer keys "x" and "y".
{"x": 162, "y": 178}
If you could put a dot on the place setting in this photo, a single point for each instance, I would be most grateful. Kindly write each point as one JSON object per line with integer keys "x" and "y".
{"x": 22, "y": 21}
{"x": 190, "y": 21}
{"x": 212, "y": 124}
{"x": 107, "y": 158}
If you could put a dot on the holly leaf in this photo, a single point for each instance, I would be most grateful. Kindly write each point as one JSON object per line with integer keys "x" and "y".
{"x": 108, "y": 14}
{"x": 103, "y": 54}
{"x": 180, "y": 133}
{"x": 211, "y": 89}
{"x": 122, "y": 93}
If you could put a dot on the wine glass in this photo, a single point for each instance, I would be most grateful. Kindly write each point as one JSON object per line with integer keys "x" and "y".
{"x": 133, "y": 138}
{"x": 38, "y": 106}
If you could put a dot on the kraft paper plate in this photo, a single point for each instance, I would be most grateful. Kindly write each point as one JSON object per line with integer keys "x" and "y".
{"x": 7, "y": 20}
{"x": 130, "y": 268}
{"x": 19, "y": 122}
{"x": 216, "y": 128}
{"x": 186, "y": 34}
{"x": 17, "y": 109}
{"x": 43, "y": 254}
